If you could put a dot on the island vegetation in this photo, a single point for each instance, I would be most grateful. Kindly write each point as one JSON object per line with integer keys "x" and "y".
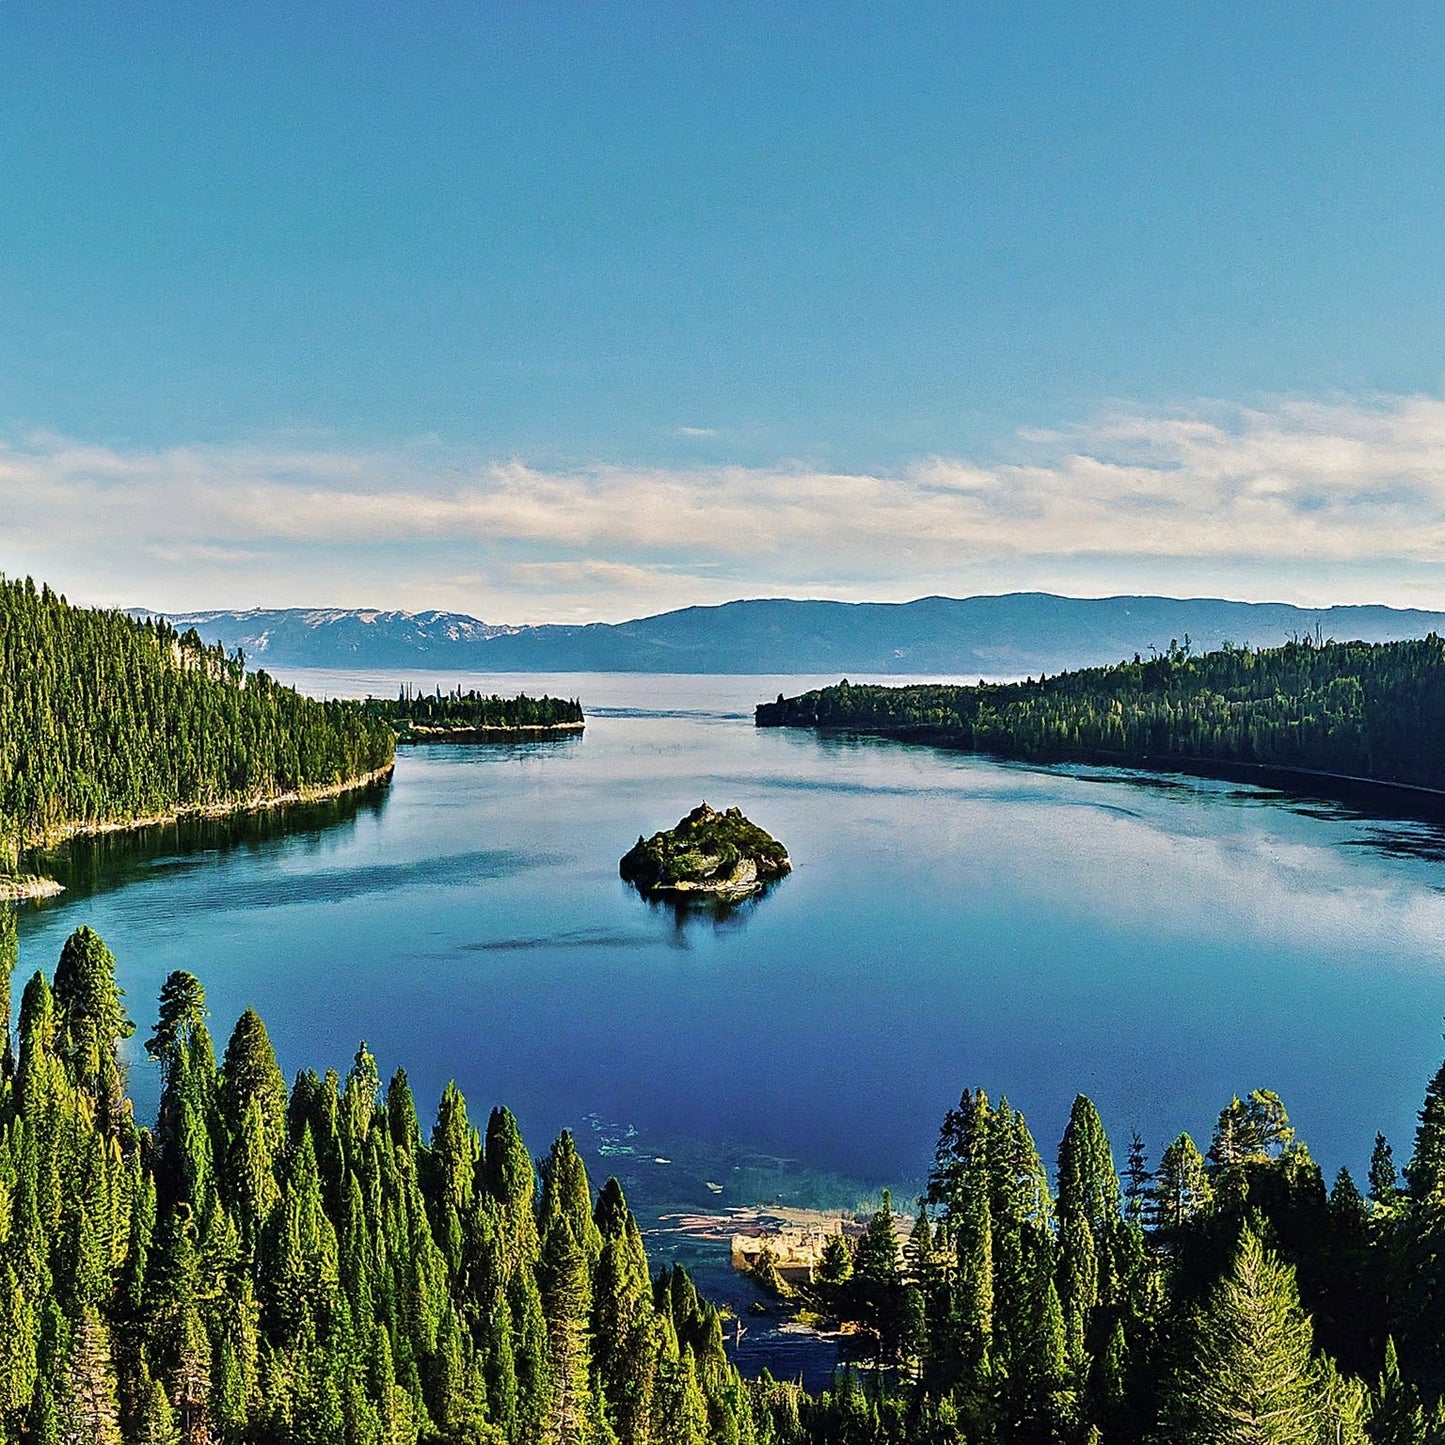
{"x": 262, "y": 1266}
{"x": 1361, "y": 711}
{"x": 106, "y": 721}
{"x": 471, "y": 716}
{"x": 710, "y": 854}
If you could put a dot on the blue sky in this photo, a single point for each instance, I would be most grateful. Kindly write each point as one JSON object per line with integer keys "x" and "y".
{"x": 543, "y": 311}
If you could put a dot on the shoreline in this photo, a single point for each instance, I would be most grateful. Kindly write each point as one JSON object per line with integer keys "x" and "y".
{"x": 1366, "y": 794}
{"x": 28, "y": 887}
{"x": 257, "y": 803}
{"x": 485, "y": 734}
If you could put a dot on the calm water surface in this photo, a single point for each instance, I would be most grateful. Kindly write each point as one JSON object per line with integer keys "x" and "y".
{"x": 1159, "y": 945}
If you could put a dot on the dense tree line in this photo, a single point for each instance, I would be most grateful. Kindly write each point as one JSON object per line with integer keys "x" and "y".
{"x": 266, "y": 1267}
{"x": 1226, "y": 1296}
{"x": 1368, "y": 710}
{"x": 312, "y": 1267}
{"x": 104, "y": 719}
{"x": 471, "y": 711}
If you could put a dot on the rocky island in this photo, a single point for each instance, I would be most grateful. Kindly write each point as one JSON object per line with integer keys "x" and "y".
{"x": 709, "y": 854}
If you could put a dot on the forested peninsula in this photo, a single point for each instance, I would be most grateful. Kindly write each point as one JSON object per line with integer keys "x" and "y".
{"x": 109, "y": 721}
{"x": 471, "y": 716}
{"x": 1369, "y": 712}
{"x": 312, "y": 1267}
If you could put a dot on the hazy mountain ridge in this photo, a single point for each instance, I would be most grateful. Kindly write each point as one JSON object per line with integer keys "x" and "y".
{"x": 1012, "y": 634}
{"x": 336, "y": 636}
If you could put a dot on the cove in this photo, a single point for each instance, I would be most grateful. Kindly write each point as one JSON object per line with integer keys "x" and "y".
{"x": 1159, "y": 943}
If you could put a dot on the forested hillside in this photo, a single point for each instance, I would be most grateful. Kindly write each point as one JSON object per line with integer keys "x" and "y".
{"x": 105, "y": 719}
{"x": 270, "y": 1268}
{"x": 1369, "y": 710}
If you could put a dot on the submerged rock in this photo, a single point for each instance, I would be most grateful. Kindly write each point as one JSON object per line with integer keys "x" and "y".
{"x": 709, "y": 854}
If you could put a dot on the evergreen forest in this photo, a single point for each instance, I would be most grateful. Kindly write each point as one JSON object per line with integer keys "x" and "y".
{"x": 1357, "y": 709}
{"x": 105, "y": 720}
{"x": 424, "y": 715}
{"x": 270, "y": 1266}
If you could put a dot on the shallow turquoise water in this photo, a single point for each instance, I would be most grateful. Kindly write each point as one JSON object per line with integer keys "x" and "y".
{"x": 1157, "y": 944}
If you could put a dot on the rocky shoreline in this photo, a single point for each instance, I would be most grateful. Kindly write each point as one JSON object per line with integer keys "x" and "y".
{"x": 26, "y": 887}
{"x": 259, "y": 803}
{"x": 419, "y": 733}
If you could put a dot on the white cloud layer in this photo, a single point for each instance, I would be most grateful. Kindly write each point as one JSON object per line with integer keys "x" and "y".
{"x": 1308, "y": 501}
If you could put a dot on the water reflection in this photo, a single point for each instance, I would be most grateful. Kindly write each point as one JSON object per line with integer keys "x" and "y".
{"x": 91, "y": 864}
{"x": 1155, "y": 941}
{"x": 706, "y": 912}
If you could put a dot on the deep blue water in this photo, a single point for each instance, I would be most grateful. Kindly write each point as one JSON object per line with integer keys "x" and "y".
{"x": 1158, "y": 944}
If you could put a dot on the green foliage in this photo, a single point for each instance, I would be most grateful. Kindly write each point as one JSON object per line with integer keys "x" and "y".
{"x": 434, "y": 717}
{"x": 707, "y": 849}
{"x": 1358, "y": 709}
{"x": 105, "y": 720}
{"x": 1248, "y": 1375}
{"x": 9, "y": 954}
{"x": 259, "y": 1271}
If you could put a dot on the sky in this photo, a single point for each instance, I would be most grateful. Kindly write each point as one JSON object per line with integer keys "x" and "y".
{"x": 559, "y": 311}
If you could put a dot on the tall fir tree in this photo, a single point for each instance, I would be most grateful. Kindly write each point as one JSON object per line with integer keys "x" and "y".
{"x": 1248, "y": 1375}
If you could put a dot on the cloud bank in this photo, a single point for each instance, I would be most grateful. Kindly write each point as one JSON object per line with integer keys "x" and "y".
{"x": 1314, "y": 502}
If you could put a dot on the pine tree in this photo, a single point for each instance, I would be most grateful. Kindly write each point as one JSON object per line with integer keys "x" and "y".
{"x": 156, "y": 1420}
{"x": 251, "y": 1181}
{"x": 1181, "y": 1186}
{"x": 181, "y": 1045}
{"x": 566, "y": 1195}
{"x": 1248, "y": 1376}
{"x": 623, "y": 1339}
{"x": 1088, "y": 1181}
{"x": 18, "y": 1349}
{"x": 455, "y": 1151}
{"x": 91, "y": 1022}
{"x": 681, "y": 1405}
{"x": 510, "y": 1179}
{"x": 181, "y": 1025}
{"x": 299, "y": 1274}
{"x": 9, "y": 957}
{"x": 1384, "y": 1180}
{"x": 532, "y": 1355}
{"x": 1269, "y": 1122}
{"x": 249, "y": 1071}
{"x": 564, "y": 1276}
{"x": 1237, "y": 1137}
{"x": 1396, "y": 1417}
{"x": 89, "y": 1413}
{"x": 401, "y": 1115}
{"x": 1138, "y": 1192}
{"x": 1425, "y": 1173}
{"x": 877, "y": 1290}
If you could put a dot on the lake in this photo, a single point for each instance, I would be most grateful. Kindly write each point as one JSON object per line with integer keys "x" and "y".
{"x": 1156, "y": 943}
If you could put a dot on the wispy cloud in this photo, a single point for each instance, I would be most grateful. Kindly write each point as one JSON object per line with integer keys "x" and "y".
{"x": 1343, "y": 497}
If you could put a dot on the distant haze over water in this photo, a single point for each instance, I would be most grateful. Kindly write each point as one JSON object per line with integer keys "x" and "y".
{"x": 1013, "y": 634}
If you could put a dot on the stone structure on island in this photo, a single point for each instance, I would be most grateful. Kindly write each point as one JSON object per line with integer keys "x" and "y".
{"x": 708, "y": 855}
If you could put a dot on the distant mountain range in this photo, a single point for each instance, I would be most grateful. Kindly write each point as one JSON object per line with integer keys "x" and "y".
{"x": 1012, "y": 635}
